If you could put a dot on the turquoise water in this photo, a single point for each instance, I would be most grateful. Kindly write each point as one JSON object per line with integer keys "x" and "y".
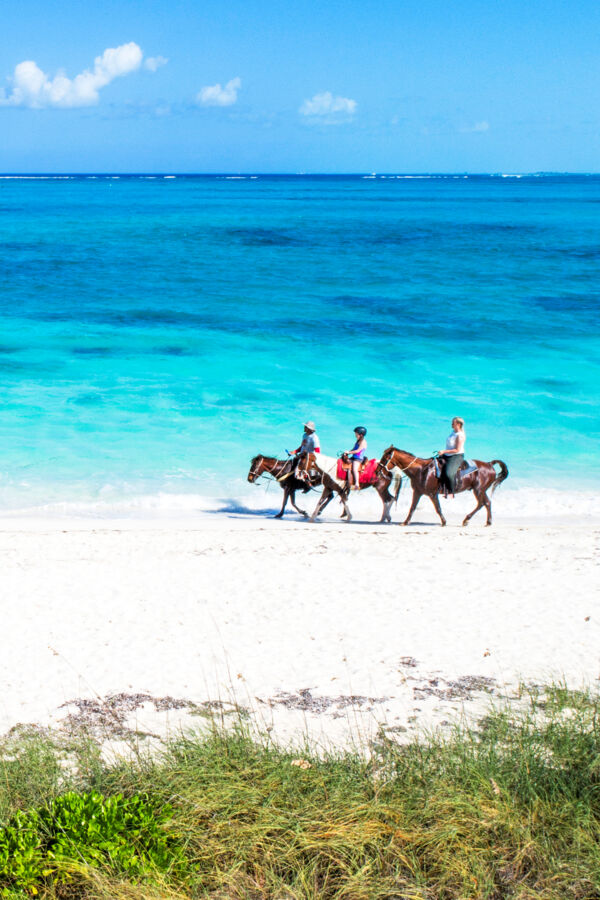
{"x": 157, "y": 332}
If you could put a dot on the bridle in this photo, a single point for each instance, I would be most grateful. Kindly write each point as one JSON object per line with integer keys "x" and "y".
{"x": 252, "y": 474}
{"x": 403, "y": 469}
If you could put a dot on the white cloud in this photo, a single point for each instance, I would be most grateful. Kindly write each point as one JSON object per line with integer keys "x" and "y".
{"x": 215, "y": 95}
{"x": 152, "y": 63}
{"x": 325, "y": 104}
{"x": 478, "y": 127}
{"x": 31, "y": 87}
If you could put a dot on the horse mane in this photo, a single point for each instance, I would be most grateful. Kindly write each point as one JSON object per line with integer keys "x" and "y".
{"x": 391, "y": 448}
{"x": 262, "y": 456}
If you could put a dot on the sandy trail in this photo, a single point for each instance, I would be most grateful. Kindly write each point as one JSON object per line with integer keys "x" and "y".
{"x": 329, "y": 629}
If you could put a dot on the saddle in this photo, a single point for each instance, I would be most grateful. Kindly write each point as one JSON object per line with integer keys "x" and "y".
{"x": 345, "y": 464}
{"x": 366, "y": 470}
{"x": 466, "y": 467}
{"x": 302, "y": 470}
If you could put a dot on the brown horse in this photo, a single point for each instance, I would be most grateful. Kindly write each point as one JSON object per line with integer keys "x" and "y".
{"x": 423, "y": 479}
{"x": 282, "y": 471}
{"x": 332, "y": 485}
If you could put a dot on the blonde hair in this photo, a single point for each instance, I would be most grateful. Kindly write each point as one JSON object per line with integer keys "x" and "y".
{"x": 461, "y": 422}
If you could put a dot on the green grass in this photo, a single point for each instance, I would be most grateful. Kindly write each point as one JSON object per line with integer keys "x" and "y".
{"x": 508, "y": 810}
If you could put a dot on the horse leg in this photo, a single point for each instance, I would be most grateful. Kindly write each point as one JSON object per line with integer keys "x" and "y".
{"x": 321, "y": 503}
{"x": 343, "y": 495}
{"x": 436, "y": 504}
{"x": 488, "y": 506}
{"x": 286, "y": 494}
{"x": 297, "y": 508}
{"x": 329, "y": 499}
{"x": 347, "y": 512}
{"x": 482, "y": 500}
{"x": 415, "y": 499}
{"x": 387, "y": 500}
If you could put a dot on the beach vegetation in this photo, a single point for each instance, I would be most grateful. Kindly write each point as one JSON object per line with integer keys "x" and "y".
{"x": 508, "y": 807}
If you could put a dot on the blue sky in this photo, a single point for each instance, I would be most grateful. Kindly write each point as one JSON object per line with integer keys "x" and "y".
{"x": 300, "y": 86}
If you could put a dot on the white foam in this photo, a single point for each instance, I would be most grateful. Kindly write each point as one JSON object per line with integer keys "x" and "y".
{"x": 516, "y": 504}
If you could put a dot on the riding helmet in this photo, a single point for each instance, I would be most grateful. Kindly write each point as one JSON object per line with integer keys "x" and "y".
{"x": 360, "y": 429}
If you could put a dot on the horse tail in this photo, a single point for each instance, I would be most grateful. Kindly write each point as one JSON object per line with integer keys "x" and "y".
{"x": 501, "y": 477}
{"x": 398, "y": 486}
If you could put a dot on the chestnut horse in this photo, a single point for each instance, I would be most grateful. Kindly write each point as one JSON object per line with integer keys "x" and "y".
{"x": 423, "y": 479}
{"x": 332, "y": 485}
{"x": 281, "y": 470}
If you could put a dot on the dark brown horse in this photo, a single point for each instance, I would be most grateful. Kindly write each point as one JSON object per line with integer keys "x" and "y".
{"x": 332, "y": 485}
{"x": 282, "y": 471}
{"x": 423, "y": 479}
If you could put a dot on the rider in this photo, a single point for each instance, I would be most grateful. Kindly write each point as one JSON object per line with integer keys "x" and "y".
{"x": 357, "y": 454}
{"x": 310, "y": 440}
{"x": 454, "y": 454}
{"x": 310, "y": 444}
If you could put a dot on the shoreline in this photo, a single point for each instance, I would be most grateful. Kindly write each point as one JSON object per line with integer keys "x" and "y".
{"x": 328, "y": 631}
{"x": 526, "y": 504}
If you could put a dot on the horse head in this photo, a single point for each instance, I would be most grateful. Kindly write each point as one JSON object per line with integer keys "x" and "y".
{"x": 386, "y": 456}
{"x": 256, "y": 467}
{"x": 261, "y": 464}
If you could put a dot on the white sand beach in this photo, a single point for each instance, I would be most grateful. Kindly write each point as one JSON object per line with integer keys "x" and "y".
{"x": 330, "y": 630}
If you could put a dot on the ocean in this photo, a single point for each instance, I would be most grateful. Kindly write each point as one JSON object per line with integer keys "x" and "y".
{"x": 158, "y": 331}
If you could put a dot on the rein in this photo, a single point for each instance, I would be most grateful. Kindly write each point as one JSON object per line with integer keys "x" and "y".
{"x": 266, "y": 473}
{"x": 269, "y": 474}
{"x": 401, "y": 468}
{"x": 396, "y": 466}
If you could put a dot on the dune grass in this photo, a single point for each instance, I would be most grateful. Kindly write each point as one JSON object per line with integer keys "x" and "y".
{"x": 509, "y": 809}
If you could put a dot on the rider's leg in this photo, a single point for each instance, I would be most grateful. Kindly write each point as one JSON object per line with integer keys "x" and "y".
{"x": 453, "y": 464}
{"x": 300, "y": 466}
{"x": 355, "y": 475}
{"x": 442, "y": 462}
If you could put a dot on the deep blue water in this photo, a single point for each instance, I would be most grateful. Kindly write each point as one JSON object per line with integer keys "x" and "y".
{"x": 157, "y": 332}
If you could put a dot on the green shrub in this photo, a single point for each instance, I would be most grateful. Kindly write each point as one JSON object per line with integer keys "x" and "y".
{"x": 126, "y": 834}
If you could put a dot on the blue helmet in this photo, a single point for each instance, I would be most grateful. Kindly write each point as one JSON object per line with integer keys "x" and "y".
{"x": 360, "y": 429}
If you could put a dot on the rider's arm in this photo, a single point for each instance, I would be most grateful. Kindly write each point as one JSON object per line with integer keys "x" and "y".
{"x": 358, "y": 446}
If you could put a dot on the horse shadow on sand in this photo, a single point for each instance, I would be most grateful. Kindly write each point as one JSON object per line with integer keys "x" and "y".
{"x": 234, "y": 509}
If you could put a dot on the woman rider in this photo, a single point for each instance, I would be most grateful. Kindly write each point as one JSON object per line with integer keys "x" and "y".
{"x": 454, "y": 454}
{"x": 356, "y": 455}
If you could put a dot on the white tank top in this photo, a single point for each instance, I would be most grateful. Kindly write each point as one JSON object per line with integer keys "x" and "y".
{"x": 452, "y": 439}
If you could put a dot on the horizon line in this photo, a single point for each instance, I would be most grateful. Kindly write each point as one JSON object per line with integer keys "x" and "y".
{"x": 254, "y": 174}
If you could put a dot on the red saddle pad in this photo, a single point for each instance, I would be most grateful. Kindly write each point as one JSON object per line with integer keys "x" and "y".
{"x": 367, "y": 476}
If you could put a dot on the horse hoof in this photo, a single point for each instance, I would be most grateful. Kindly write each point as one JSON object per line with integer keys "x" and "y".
{"x": 278, "y": 516}
{"x": 465, "y": 523}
